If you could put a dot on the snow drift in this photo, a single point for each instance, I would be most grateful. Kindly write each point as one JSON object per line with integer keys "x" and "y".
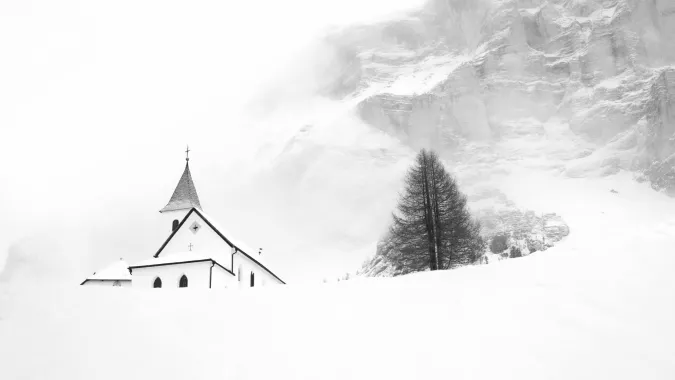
{"x": 597, "y": 306}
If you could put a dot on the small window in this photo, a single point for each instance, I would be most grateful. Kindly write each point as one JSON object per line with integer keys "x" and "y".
{"x": 175, "y": 225}
{"x": 183, "y": 282}
{"x": 117, "y": 283}
{"x": 252, "y": 279}
{"x": 157, "y": 283}
{"x": 239, "y": 273}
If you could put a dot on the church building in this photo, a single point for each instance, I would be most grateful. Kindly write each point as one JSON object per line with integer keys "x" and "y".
{"x": 198, "y": 253}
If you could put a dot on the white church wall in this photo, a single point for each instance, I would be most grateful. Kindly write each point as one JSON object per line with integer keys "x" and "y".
{"x": 197, "y": 274}
{"x": 205, "y": 240}
{"x": 222, "y": 279}
{"x": 107, "y": 283}
{"x": 243, "y": 268}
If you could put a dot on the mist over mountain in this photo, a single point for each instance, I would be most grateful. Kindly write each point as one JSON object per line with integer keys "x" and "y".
{"x": 98, "y": 103}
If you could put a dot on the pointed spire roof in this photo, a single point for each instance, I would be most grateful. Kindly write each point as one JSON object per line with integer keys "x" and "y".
{"x": 185, "y": 196}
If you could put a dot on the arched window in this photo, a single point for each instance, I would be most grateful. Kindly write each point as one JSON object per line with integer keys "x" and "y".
{"x": 252, "y": 279}
{"x": 183, "y": 282}
{"x": 157, "y": 283}
{"x": 175, "y": 225}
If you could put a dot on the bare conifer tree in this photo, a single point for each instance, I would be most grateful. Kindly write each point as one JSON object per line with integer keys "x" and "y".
{"x": 432, "y": 227}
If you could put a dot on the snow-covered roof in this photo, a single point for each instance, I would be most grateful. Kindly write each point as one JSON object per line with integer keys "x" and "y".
{"x": 119, "y": 270}
{"x": 220, "y": 258}
{"x": 185, "y": 195}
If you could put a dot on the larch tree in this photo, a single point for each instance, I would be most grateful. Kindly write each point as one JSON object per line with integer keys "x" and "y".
{"x": 432, "y": 226}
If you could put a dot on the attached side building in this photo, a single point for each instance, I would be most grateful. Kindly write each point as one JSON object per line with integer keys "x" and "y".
{"x": 116, "y": 274}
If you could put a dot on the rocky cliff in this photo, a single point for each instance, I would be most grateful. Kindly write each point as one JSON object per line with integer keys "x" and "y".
{"x": 461, "y": 71}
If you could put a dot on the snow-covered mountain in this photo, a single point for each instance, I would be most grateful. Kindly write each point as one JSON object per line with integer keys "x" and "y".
{"x": 460, "y": 71}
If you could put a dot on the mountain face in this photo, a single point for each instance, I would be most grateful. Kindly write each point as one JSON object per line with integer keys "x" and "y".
{"x": 578, "y": 88}
{"x": 461, "y": 71}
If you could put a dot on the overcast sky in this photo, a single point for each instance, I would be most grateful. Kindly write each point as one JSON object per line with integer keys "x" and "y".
{"x": 98, "y": 100}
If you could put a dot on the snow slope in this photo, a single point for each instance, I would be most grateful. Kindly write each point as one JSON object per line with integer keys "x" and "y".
{"x": 597, "y": 306}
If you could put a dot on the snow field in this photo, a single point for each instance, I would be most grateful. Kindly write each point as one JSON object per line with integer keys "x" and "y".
{"x": 597, "y": 306}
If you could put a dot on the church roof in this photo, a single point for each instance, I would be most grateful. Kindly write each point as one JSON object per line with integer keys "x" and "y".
{"x": 219, "y": 258}
{"x": 118, "y": 270}
{"x": 185, "y": 196}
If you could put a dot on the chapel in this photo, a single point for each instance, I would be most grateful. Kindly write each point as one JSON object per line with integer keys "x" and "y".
{"x": 197, "y": 253}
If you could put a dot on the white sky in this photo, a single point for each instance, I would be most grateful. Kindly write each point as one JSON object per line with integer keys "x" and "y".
{"x": 98, "y": 100}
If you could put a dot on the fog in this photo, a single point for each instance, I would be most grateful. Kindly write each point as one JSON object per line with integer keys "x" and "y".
{"x": 99, "y": 99}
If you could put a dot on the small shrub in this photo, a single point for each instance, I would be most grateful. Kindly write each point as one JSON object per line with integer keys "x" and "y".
{"x": 498, "y": 244}
{"x": 515, "y": 252}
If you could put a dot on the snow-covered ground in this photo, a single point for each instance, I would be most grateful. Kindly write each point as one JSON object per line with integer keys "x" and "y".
{"x": 597, "y": 306}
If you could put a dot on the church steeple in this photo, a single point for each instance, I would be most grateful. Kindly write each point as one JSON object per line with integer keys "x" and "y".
{"x": 185, "y": 196}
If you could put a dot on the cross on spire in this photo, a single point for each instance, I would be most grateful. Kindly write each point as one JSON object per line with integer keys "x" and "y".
{"x": 187, "y": 153}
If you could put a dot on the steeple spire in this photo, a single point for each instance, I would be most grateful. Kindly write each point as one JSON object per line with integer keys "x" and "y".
{"x": 185, "y": 196}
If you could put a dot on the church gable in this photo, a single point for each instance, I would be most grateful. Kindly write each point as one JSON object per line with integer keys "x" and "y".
{"x": 196, "y": 234}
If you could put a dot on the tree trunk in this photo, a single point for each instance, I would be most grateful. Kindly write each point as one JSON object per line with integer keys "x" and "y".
{"x": 428, "y": 211}
{"x": 436, "y": 214}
